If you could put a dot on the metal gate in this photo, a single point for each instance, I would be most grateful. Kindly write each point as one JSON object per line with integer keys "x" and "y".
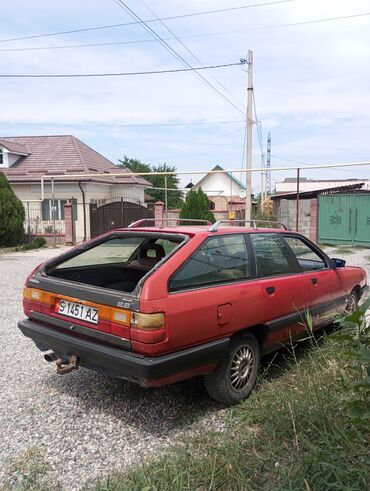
{"x": 116, "y": 214}
{"x": 344, "y": 219}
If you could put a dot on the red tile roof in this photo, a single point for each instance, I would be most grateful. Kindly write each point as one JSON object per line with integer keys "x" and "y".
{"x": 59, "y": 155}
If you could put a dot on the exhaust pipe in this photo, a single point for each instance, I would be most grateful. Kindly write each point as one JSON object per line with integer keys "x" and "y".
{"x": 49, "y": 357}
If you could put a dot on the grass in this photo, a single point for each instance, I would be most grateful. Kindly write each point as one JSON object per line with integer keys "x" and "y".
{"x": 27, "y": 472}
{"x": 291, "y": 434}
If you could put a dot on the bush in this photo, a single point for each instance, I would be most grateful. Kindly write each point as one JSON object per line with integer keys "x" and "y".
{"x": 11, "y": 215}
{"x": 38, "y": 242}
{"x": 35, "y": 244}
{"x": 197, "y": 206}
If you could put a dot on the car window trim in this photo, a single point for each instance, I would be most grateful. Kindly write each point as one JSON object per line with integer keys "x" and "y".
{"x": 209, "y": 285}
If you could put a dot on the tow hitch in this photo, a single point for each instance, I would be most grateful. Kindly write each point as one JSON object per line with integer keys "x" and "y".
{"x": 66, "y": 365}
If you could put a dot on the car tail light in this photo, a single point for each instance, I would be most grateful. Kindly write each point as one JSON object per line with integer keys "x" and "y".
{"x": 35, "y": 295}
{"x": 148, "y": 328}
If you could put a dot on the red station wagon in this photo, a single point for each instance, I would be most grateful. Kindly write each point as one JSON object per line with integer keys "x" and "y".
{"x": 158, "y": 305}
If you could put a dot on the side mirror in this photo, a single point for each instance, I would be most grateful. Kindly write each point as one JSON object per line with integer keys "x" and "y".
{"x": 337, "y": 263}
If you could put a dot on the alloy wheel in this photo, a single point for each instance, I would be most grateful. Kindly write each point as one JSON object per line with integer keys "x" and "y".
{"x": 241, "y": 368}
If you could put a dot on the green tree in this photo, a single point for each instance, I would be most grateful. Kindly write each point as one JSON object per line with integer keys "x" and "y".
{"x": 173, "y": 197}
{"x": 197, "y": 206}
{"x": 135, "y": 165}
{"x": 11, "y": 215}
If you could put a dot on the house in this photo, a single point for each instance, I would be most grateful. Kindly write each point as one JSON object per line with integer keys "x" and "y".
{"x": 223, "y": 189}
{"x": 289, "y": 185}
{"x": 24, "y": 160}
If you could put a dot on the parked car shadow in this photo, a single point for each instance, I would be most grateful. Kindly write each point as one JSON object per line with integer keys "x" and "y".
{"x": 174, "y": 406}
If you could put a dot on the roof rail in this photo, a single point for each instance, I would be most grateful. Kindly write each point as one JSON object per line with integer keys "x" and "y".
{"x": 216, "y": 225}
{"x": 138, "y": 223}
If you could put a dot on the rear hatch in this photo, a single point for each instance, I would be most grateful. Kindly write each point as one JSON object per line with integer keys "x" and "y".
{"x": 94, "y": 289}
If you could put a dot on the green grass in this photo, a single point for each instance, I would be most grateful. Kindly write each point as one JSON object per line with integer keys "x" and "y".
{"x": 27, "y": 472}
{"x": 291, "y": 434}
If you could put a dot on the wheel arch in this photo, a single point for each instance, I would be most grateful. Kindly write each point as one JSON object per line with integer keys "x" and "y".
{"x": 357, "y": 290}
{"x": 260, "y": 332}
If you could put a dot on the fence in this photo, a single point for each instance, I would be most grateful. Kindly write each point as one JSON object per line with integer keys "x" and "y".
{"x": 229, "y": 198}
{"x": 41, "y": 220}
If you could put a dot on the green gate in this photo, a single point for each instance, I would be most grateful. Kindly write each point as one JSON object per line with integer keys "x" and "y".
{"x": 344, "y": 219}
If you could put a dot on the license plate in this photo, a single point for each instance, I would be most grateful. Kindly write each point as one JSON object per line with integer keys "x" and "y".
{"x": 77, "y": 311}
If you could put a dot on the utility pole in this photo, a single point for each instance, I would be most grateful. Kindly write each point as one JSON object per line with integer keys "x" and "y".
{"x": 248, "y": 140}
{"x": 268, "y": 165}
{"x": 263, "y": 179}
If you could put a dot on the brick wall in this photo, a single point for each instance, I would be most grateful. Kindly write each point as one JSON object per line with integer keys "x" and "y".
{"x": 286, "y": 209}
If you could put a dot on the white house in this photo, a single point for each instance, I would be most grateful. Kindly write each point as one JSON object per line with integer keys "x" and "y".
{"x": 24, "y": 160}
{"x": 222, "y": 189}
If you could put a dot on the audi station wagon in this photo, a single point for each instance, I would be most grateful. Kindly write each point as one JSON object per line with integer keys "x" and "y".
{"x": 156, "y": 305}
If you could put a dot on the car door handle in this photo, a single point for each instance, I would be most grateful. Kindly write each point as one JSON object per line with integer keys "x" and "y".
{"x": 314, "y": 281}
{"x": 270, "y": 290}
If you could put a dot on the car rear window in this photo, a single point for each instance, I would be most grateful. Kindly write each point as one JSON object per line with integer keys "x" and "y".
{"x": 112, "y": 251}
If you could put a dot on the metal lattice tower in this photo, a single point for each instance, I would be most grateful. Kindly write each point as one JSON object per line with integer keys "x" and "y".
{"x": 268, "y": 166}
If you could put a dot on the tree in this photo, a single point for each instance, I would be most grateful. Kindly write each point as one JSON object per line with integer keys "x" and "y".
{"x": 173, "y": 197}
{"x": 197, "y": 206}
{"x": 11, "y": 215}
{"x": 135, "y": 165}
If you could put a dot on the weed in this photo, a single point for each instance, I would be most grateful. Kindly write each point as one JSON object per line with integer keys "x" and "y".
{"x": 291, "y": 434}
{"x": 355, "y": 342}
{"x": 27, "y": 471}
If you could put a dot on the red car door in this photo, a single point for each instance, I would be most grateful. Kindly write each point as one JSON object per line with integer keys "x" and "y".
{"x": 323, "y": 282}
{"x": 283, "y": 290}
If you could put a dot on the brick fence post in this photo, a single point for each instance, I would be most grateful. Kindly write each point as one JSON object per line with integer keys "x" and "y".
{"x": 158, "y": 213}
{"x": 68, "y": 223}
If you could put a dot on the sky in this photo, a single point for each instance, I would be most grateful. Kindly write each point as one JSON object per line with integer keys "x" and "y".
{"x": 311, "y": 81}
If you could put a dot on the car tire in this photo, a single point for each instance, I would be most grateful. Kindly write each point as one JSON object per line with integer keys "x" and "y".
{"x": 352, "y": 302}
{"x": 236, "y": 375}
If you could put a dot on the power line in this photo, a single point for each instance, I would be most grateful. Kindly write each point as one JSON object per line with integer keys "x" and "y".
{"x": 172, "y": 17}
{"x": 258, "y": 125}
{"x": 188, "y": 36}
{"x": 190, "y": 123}
{"x": 121, "y": 74}
{"x": 192, "y": 54}
{"x": 124, "y": 125}
{"x": 174, "y": 53}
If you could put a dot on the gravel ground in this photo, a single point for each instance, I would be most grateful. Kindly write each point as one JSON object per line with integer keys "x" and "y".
{"x": 84, "y": 425}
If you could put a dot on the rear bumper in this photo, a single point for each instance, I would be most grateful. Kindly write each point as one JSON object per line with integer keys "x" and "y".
{"x": 120, "y": 363}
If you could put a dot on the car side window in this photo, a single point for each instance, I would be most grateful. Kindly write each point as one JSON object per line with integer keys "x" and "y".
{"x": 308, "y": 259}
{"x": 273, "y": 256}
{"x": 219, "y": 259}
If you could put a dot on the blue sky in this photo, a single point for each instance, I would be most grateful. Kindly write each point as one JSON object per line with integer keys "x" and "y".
{"x": 311, "y": 81}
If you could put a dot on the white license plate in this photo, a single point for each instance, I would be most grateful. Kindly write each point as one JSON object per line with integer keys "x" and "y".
{"x": 77, "y": 311}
